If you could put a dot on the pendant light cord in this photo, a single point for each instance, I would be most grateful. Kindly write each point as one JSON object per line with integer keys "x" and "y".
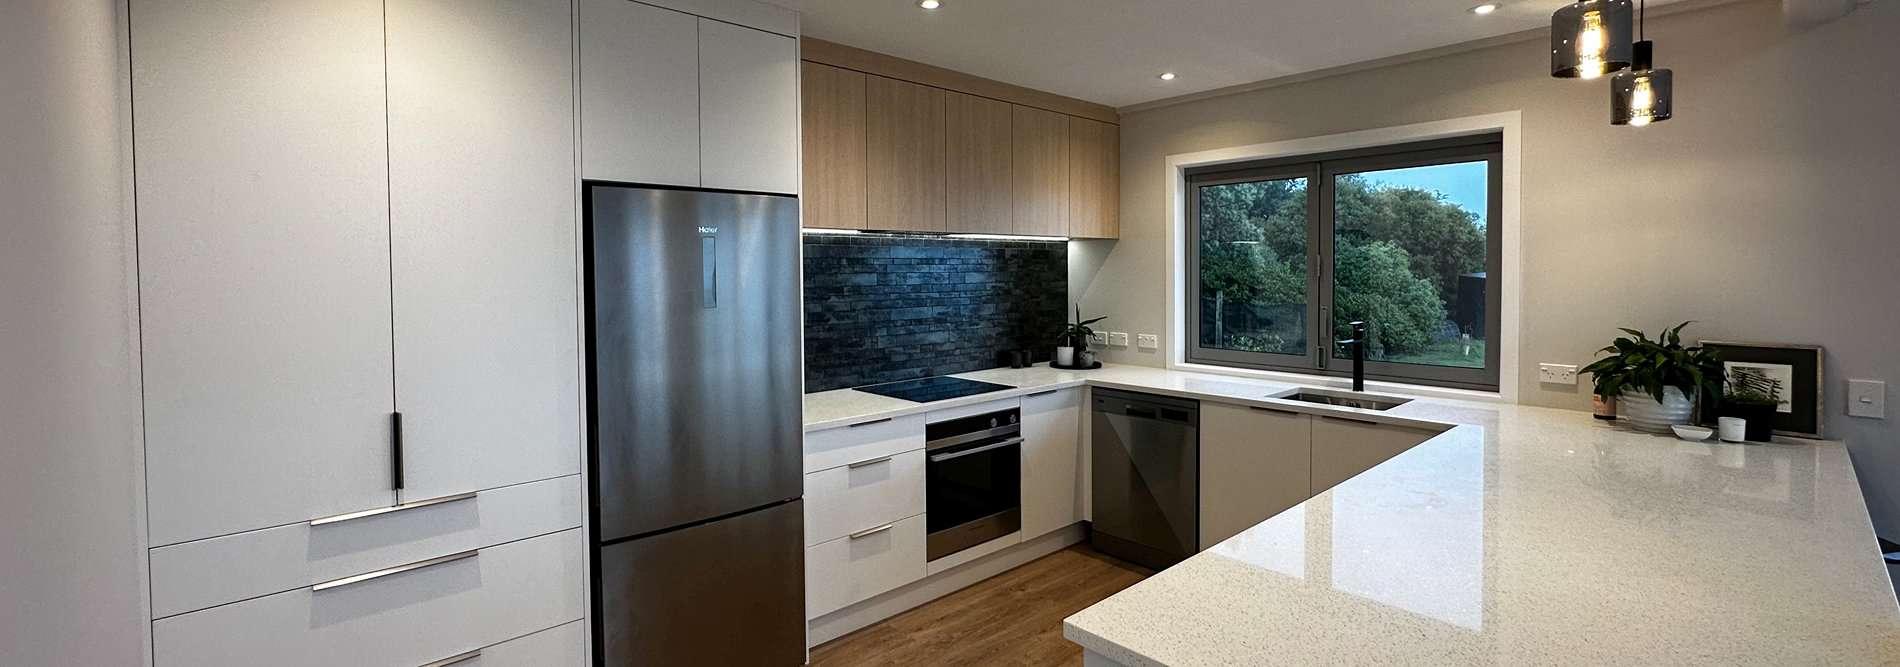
{"x": 1642, "y": 20}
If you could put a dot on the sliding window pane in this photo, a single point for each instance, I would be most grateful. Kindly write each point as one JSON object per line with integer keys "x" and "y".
{"x": 1251, "y": 251}
{"x": 1409, "y": 258}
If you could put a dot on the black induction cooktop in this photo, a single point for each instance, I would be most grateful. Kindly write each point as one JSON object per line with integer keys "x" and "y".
{"x": 925, "y": 390}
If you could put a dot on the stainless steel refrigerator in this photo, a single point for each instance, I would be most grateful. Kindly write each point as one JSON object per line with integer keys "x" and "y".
{"x": 694, "y": 401}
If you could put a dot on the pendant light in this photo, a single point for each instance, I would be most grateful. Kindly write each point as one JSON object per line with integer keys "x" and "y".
{"x": 1590, "y": 38}
{"x": 1642, "y": 94}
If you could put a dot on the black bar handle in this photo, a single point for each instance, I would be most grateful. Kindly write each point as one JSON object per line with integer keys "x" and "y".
{"x": 395, "y": 454}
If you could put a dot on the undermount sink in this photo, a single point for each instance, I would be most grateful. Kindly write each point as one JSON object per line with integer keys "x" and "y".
{"x": 1344, "y": 399}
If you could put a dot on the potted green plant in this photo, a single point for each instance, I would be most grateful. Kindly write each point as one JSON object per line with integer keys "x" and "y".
{"x": 1753, "y": 399}
{"x": 1073, "y": 342}
{"x": 1657, "y": 381}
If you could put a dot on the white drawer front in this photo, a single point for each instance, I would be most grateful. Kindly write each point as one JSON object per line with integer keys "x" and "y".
{"x": 561, "y": 646}
{"x": 407, "y": 618}
{"x": 865, "y": 494}
{"x": 196, "y": 575}
{"x": 848, "y": 570}
{"x": 866, "y": 440}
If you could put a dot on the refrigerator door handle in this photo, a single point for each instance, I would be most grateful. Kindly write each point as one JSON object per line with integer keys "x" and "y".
{"x": 708, "y": 269}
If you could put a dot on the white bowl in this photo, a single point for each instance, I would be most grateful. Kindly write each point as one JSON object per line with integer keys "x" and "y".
{"x": 1692, "y": 433}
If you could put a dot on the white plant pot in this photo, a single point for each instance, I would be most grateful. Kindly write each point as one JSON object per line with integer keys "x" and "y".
{"x": 1065, "y": 356}
{"x": 1646, "y": 414}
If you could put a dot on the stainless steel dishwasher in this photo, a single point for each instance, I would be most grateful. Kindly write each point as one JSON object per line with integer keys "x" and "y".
{"x": 1145, "y": 466}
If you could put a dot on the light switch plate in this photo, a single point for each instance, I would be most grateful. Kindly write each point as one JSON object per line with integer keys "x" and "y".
{"x": 1118, "y": 338}
{"x": 1147, "y": 341}
{"x": 1867, "y": 398}
{"x": 1557, "y": 373}
{"x": 1098, "y": 338}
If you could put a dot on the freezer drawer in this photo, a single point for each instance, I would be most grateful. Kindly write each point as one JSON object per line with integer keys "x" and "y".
{"x": 441, "y": 609}
{"x": 728, "y": 592}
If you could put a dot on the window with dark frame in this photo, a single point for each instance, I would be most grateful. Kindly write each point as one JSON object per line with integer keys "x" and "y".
{"x": 1282, "y": 254}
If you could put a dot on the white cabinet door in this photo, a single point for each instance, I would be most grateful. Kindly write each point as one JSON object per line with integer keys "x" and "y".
{"x": 748, "y": 108}
{"x": 639, "y": 93}
{"x": 1255, "y": 463}
{"x": 1052, "y": 461}
{"x": 263, "y": 261}
{"x": 1344, "y": 447}
{"x": 482, "y": 226}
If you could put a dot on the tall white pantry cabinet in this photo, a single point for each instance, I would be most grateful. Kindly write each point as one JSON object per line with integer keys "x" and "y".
{"x": 350, "y": 210}
{"x": 359, "y": 286}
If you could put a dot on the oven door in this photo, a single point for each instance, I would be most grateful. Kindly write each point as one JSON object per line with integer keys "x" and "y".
{"x": 972, "y": 493}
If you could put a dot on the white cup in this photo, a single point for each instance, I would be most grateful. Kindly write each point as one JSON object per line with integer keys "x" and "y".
{"x": 1732, "y": 429}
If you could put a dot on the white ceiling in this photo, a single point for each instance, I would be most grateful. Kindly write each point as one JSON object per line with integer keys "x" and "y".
{"x": 1110, "y": 51}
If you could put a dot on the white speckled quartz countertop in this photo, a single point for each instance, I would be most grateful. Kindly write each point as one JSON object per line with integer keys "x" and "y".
{"x": 1520, "y": 536}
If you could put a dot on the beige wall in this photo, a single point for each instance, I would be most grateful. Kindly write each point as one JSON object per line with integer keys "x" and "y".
{"x": 72, "y": 561}
{"x": 1769, "y": 209}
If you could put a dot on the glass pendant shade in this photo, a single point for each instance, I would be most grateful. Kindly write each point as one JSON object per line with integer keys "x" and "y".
{"x": 1590, "y": 38}
{"x": 1641, "y": 95}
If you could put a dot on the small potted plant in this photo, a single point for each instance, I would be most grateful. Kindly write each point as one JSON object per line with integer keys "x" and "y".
{"x": 1073, "y": 343}
{"x": 1656, "y": 381}
{"x": 1753, "y": 399}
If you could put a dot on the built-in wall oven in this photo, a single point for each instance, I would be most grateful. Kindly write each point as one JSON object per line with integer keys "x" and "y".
{"x": 973, "y": 475}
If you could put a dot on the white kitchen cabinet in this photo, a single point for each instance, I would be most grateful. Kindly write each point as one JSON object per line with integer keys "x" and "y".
{"x": 1052, "y": 461}
{"x": 1255, "y": 463}
{"x": 748, "y": 106}
{"x": 263, "y": 261}
{"x": 863, "y": 441}
{"x": 442, "y": 608}
{"x": 639, "y": 93}
{"x": 855, "y": 568}
{"x": 1345, "y": 447}
{"x": 863, "y": 495}
{"x": 482, "y": 227}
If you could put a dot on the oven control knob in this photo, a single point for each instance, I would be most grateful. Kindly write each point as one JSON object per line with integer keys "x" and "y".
{"x": 1012, "y": 419}
{"x": 993, "y": 423}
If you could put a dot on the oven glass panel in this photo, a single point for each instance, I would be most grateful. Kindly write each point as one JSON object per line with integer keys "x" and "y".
{"x": 967, "y": 488}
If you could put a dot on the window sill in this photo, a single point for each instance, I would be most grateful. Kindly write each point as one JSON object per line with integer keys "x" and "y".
{"x": 1332, "y": 382}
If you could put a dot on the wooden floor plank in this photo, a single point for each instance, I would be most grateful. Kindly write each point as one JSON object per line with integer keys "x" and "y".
{"x": 1014, "y": 618}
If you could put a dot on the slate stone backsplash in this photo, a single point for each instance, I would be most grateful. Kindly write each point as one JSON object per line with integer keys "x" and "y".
{"x": 882, "y": 308}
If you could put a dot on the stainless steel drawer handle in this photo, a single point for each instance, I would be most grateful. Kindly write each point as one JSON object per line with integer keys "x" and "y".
{"x": 871, "y": 531}
{"x": 940, "y": 458}
{"x": 399, "y": 569}
{"x": 396, "y": 508}
{"x": 1041, "y": 393}
{"x": 869, "y": 423}
{"x": 871, "y": 462}
{"x": 1263, "y": 408}
{"x": 457, "y": 658}
{"x": 1350, "y": 420}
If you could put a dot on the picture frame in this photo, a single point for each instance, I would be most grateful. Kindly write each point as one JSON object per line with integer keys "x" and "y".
{"x": 1797, "y": 367}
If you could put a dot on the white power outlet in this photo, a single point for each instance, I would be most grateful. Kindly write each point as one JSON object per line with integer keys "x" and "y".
{"x": 1118, "y": 338}
{"x": 1098, "y": 338}
{"x": 1147, "y": 341}
{"x": 1557, "y": 373}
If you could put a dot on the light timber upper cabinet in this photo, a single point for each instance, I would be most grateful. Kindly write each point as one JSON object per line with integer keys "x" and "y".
{"x": 748, "y": 105}
{"x": 904, "y": 155}
{"x": 833, "y": 155}
{"x": 977, "y": 167}
{"x": 1254, "y": 464}
{"x": 263, "y": 262}
{"x": 482, "y": 218}
{"x": 1345, "y": 447}
{"x": 1041, "y": 171}
{"x": 639, "y": 93}
{"x": 1094, "y": 179}
{"x": 1052, "y": 461}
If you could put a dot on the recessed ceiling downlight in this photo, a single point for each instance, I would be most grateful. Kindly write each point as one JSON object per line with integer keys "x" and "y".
{"x": 1485, "y": 8}
{"x": 1166, "y": 76}
{"x": 929, "y": 4}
